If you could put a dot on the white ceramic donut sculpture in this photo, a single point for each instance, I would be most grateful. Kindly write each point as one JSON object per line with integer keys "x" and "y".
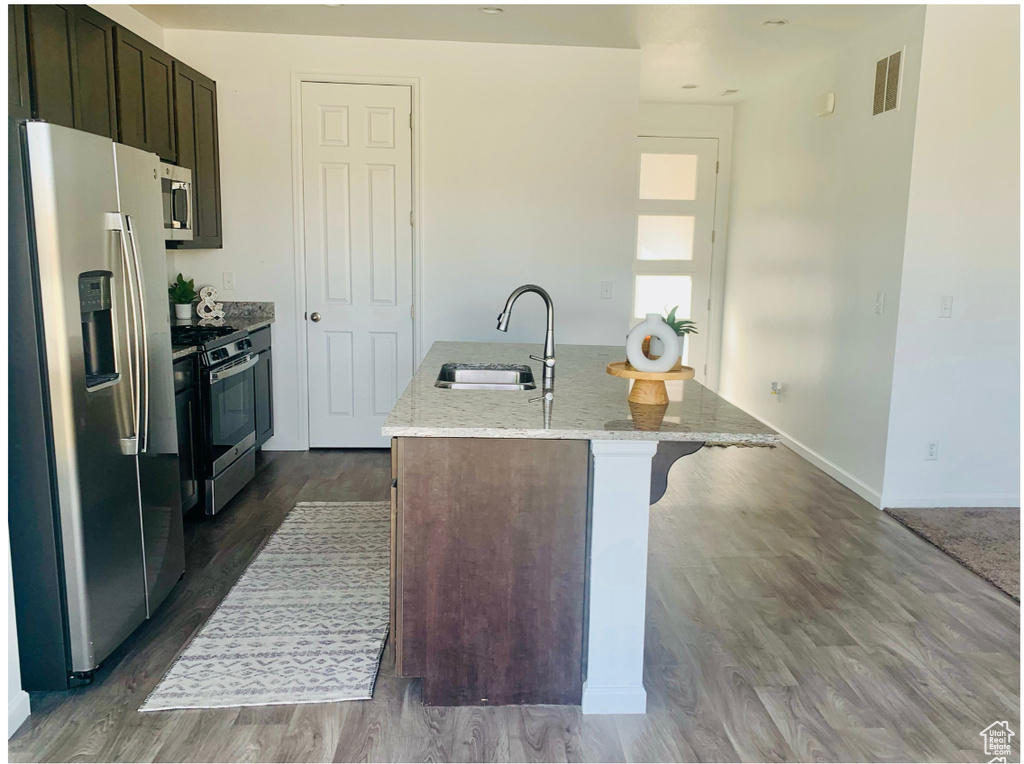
{"x": 655, "y": 326}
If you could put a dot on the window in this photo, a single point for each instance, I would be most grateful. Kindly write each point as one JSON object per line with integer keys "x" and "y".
{"x": 674, "y": 235}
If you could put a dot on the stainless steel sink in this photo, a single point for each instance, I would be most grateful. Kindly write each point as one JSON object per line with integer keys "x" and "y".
{"x": 485, "y": 376}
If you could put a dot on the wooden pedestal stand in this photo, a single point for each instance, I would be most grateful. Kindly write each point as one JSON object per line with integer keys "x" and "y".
{"x": 648, "y": 386}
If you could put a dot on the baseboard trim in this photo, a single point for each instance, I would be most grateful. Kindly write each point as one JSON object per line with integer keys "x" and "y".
{"x": 614, "y": 700}
{"x": 919, "y": 501}
{"x": 17, "y": 712}
{"x": 831, "y": 469}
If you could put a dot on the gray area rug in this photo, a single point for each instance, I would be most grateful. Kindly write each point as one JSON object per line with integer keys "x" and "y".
{"x": 986, "y": 541}
{"x": 306, "y": 622}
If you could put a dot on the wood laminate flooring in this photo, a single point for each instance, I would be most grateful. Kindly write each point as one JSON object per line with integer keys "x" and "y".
{"x": 786, "y": 620}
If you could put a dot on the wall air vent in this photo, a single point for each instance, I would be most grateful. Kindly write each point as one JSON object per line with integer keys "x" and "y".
{"x": 887, "y": 83}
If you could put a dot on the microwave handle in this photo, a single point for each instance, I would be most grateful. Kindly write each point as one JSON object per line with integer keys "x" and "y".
{"x": 186, "y": 189}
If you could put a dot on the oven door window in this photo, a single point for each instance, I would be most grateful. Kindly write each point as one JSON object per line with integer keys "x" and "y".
{"x": 232, "y": 411}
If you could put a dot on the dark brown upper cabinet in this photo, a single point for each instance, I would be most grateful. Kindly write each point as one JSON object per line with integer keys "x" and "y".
{"x": 51, "y": 46}
{"x": 195, "y": 121}
{"x": 94, "y": 57}
{"x": 71, "y": 65}
{"x": 19, "y": 103}
{"x": 145, "y": 95}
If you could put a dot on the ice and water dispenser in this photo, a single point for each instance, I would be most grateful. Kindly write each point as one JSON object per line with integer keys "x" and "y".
{"x": 97, "y": 328}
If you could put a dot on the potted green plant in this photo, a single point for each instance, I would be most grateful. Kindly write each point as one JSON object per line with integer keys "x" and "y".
{"x": 183, "y": 294}
{"x": 681, "y": 326}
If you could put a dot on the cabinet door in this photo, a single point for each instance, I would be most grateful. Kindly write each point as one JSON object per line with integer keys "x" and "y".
{"x": 51, "y": 56}
{"x": 264, "y": 398}
{"x": 185, "y": 411}
{"x": 195, "y": 120}
{"x": 95, "y": 107}
{"x": 396, "y": 555}
{"x": 492, "y": 569}
{"x": 144, "y": 95}
{"x": 71, "y": 50}
{"x": 18, "y": 100}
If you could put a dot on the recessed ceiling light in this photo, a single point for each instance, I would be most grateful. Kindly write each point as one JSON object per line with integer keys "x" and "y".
{"x": 776, "y": 22}
{"x": 689, "y": 87}
{"x": 729, "y": 92}
{"x": 491, "y": 11}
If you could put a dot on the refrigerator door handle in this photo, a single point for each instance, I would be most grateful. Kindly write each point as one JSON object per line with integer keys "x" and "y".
{"x": 143, "y": 351}
{"x": 130, "y": 444}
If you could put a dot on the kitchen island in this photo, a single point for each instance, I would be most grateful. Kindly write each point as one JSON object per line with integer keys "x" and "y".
{"x": 520, "y": 521}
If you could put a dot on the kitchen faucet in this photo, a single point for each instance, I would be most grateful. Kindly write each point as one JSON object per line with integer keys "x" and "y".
{"x": 549, "y": 338}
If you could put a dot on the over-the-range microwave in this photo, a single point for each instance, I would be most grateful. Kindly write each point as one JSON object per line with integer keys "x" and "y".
{"x": 176, "y": 185}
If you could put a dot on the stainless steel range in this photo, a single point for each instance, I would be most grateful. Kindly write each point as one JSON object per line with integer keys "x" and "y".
{"x": 227, "y": 395}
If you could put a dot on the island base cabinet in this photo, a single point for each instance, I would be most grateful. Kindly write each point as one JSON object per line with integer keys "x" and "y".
{"x": 489, "y": 568}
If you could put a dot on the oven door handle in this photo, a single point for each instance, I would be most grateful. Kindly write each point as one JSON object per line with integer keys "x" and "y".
{"x": 238, "y": 368}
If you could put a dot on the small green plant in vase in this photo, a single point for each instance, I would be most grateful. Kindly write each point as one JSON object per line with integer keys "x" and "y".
{"x": 680, "y": 326}
{"x": 183, "y": 294}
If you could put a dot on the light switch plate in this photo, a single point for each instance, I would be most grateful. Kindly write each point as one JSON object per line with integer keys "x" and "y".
{"x": 229, "y": 280}
{"x": 879, "y": 303}
{"x": 946, "y": 306}
{"x": 606, "y": 290}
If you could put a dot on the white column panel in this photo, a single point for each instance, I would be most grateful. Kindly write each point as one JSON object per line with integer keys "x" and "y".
{"x": 618, "y": 577}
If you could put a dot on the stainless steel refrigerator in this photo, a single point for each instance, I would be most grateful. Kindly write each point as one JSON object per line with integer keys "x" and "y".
{"x": 97, "y": 550}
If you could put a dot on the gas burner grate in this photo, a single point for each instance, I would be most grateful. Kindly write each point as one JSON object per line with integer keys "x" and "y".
{"x": 198, "y": 335}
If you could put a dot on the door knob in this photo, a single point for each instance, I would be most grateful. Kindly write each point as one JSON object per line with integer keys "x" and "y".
{"x": 315, "y": 317}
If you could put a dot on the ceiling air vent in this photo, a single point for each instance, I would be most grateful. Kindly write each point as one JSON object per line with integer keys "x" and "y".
{"x": 887, "y": 83}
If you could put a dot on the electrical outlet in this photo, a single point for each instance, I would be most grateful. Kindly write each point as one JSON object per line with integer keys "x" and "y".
{"x": 932, "y": 451}
{"x": 946, "y": 306}
{"x": 879, "y": 303}
{"x": 229, "y": 281}
{"x": 606, "y": 290}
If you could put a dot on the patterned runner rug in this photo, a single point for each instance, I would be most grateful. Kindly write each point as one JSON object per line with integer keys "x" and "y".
{"x": 306, "y": 622}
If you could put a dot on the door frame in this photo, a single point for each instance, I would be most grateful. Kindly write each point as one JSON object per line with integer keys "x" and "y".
{"x": 677, "y": 267}
{"x": 414, "y": 83}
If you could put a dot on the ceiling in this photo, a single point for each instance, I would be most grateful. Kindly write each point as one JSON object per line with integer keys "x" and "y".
{"x": 716, "y": 47}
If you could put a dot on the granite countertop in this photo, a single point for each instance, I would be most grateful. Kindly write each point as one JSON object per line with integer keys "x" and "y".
{"x": 247, "y": 316}
{"x": 589, "y": 404}
{"x": 181, "y": 351}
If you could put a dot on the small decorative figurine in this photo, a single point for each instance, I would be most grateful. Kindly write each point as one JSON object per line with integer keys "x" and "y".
{"x": 208, "y": 307}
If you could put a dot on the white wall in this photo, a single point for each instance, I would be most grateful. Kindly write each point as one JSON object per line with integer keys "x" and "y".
{"x": 17, "y": 698}
{"x": 528, "y": 175}
{"x": 957, "y": 380}
{"x": 678, "y": 120}
{"x": 817, "y": 227}
{"x": 131, "y": 19}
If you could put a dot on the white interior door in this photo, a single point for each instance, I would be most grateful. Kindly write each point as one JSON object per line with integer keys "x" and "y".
{"x": 357, "y": 222}
{"x": 675, "y": 236}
